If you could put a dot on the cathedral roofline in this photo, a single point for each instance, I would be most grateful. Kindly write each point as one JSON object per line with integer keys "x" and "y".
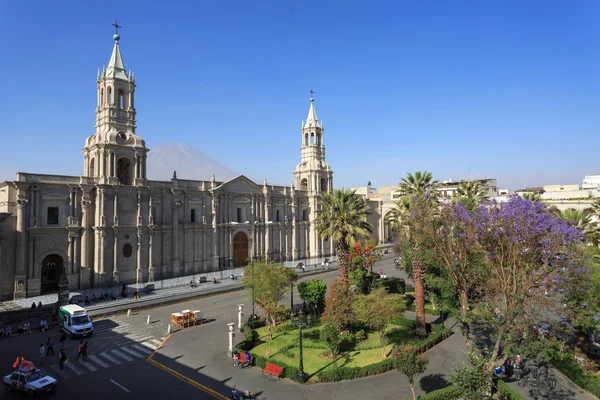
{"x": 116, "y": 68}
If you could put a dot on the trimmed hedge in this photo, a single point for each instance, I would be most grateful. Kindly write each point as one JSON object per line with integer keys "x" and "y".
{"x": 575, "y": 373}
{"x": 447, "y": 393}
{"x": 505, "y": 390}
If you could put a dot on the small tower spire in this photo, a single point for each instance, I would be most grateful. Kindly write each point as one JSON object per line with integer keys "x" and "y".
{"x": 116, "y": 69}
{"x": 312, "y": 119}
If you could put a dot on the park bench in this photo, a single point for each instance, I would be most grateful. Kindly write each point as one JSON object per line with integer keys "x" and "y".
{"x": 203, "y": 279}
{"x": 149, "y": 288}
{"x": 243, "y": 361}
{"x": 273, "y": 369}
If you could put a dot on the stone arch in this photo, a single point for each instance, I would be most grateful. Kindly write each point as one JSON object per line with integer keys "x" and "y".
{"x": 306, "y": 139}
{"x": 109, "y": 95}
{"x": 240, "y": 249}
{"x": 120, "y": 99}
{"x": 304, "y": 184}
{"x": 52, "y": 269}
{"x": 323, "y": 184}
{"x": 124, "y": 171}
{"x": 92, "y": 169}
{"x": 389, "y": 228}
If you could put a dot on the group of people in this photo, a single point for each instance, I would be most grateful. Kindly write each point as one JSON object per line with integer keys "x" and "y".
{"x": 34, "y": 306}
{"x": 5, "y": 332}
{"x": 238, "y": 363}
{"x": 238, "y": 395}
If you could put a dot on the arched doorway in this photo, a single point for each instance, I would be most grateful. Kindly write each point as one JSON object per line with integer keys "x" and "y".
{"x": 52, "y": 267}
{"x": 240, "y": 249}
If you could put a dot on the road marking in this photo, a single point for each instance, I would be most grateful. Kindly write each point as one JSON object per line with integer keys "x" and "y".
{"x": 123, "y": 356}
{"x": 133, "y": 353}
{"x": 139, "y": 338}
{"x": 110, "y": 358}
{"x": 149, "y": 345}
{"x": 99, "y": 362}
{"x": 142, "y": 349}
{"x": 59, "y": 371}
{"x": 157, "y": 342}
{"x": 88, "y": 365}
{"x": 122, "y": 387}
{"x": 73, "y": 368}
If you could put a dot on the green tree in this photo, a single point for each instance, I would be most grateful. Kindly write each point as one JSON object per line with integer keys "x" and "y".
{"x": 342, "y": 216}
{"x": 421, "y": 191}
{"x": 472, "y": 379}
{"x": 531, "y": 196}
{"x": 471, "y": 193}
{"x": 313, "y": 292}
{"x": 338, "y": 305}
{"x": 331, "y": 336}
{"x": 271, "y": 282}
{"x": 377, "y": 309}
{"x": 411, "y": 364}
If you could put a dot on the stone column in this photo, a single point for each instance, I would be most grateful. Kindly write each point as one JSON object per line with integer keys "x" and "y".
{"x": 3, "y": 217}
{"x": 70, "y": 254}
{"x": 240, "y": 317}
{"x": 116, "y": 276}
{"x": 150, "y": 254}
{"x": 294, "y": 230}
{"x": 215, "y": 232}
{"x": 86, "y": 235}
{"x": 139, "y": 276}
{"x": 175, "y": 257}
{"x": 231, "y": 326}
{"x": 20, "y": 290}
{"x": 381, "y": 224}
{"x": 268, "y": 228}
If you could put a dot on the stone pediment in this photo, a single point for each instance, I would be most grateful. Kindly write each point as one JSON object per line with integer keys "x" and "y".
{"x": 195, "y": 200}
{"x": 55, "y": 196}
{"x": 241, "y": 184}
{"x": 280, "y": 203}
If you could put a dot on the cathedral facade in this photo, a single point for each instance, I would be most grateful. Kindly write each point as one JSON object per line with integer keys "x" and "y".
{"x": 112, "y": 225}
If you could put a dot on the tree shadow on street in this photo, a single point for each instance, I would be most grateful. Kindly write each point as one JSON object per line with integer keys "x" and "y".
{"x": 432, "y": 382}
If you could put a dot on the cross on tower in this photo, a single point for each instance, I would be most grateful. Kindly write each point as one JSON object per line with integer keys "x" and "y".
{"x": 311, "y": 92}
{"x": 116, "y": 25}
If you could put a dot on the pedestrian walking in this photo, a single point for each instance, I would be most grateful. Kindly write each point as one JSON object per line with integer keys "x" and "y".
{"x": 79, "y": 350}
{"x": 84, "y": 350}
{"x": 62, "y": 359}
{"x": 42, "y": 353}
{"x": 49, "y": 347}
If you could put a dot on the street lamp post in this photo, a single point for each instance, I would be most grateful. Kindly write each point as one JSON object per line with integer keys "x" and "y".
{"x": 302, "y": 321}
{"x": 292, "y": 298}
{"x": 253, "y": 314}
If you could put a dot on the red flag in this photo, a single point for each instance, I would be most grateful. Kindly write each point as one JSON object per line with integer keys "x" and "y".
{"x": 16, "y": 364}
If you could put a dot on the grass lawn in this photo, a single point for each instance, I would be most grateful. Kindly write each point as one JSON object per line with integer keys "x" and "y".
{"x": 317, "y": 357}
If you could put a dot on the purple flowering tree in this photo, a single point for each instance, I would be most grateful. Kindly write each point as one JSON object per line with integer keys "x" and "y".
{"x": 530, "y": 257}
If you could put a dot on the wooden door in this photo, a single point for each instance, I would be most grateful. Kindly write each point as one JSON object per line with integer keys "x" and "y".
{"x": 240, "y": 249}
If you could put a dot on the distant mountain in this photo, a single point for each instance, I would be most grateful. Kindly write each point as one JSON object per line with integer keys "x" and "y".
{"x": 188, "y": 161}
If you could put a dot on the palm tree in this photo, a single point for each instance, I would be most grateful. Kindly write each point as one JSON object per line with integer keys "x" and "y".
{"x": 596, "y": 208}
{"x": 535, "y": 197}
{"x": 342, "y": 216}
{"x": 582, "y": 219}
{"x": 421, "y": 185}
{"x": 471, "y": 191}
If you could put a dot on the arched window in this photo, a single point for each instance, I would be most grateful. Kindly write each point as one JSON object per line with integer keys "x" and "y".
{"x": 92, "y": 171}
{"x": 312, "y": 138}
{"x": 306, "y": 139}
{"x": 127, "y": 250}
{"x": 304, "y": 184}
{"x": 124, "y": 172}
{"x": 121, "y": 99}
{"x": 318, "y": 139}
{"x": 110, "y": 95}
{"x": 323, "y": 184}
{"x": 131, "y": 100}
{"x": 101, "y": 100}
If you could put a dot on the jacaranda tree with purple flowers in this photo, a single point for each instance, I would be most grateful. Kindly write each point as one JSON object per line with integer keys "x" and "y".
{"x": 530, "y": 256}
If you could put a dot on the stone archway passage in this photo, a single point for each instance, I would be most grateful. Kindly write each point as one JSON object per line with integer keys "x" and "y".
{"x": 52, "y": 267}
{"x": 240, "y": 249}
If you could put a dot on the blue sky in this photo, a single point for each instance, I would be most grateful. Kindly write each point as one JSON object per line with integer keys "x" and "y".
{"x": 505, "y": 89}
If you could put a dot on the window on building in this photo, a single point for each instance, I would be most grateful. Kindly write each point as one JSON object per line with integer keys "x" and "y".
{"x": 277, "y": 216}
{"x": 193, "y": 215}
{"x": 305, "y": 214}
{"x": 52, "y": 216}
{"x": 127, "y": 250}
{"x": 239, "y": 214}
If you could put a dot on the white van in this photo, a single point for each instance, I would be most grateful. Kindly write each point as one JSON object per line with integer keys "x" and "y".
{"x": 74, "y": 320}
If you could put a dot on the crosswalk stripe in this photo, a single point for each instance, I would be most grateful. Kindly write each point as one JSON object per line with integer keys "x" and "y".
{"x": 148, "y": 345}
{"x": 158, "y": 342}
{"x": 123, "y": 356}
{"x": 69, "y": 364}
{"x": 139, "y": 338}
{"x": 59, "y": 371}
{"x": 133, "y": 353}
{"x": 110, "y": 358}
{"x": 88, "y": 365}
{"x": 142, "y": 349}
{"x": 99, "y": 362}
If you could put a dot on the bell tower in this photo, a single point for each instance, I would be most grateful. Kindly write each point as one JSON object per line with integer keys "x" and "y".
{"x": 115, "y": 154}
{"x": 313, "y": 174}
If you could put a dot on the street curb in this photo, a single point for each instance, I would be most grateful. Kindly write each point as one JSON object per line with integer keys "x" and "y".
{"x": 184, "y": 378}
{"x": 166, "y": 302}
